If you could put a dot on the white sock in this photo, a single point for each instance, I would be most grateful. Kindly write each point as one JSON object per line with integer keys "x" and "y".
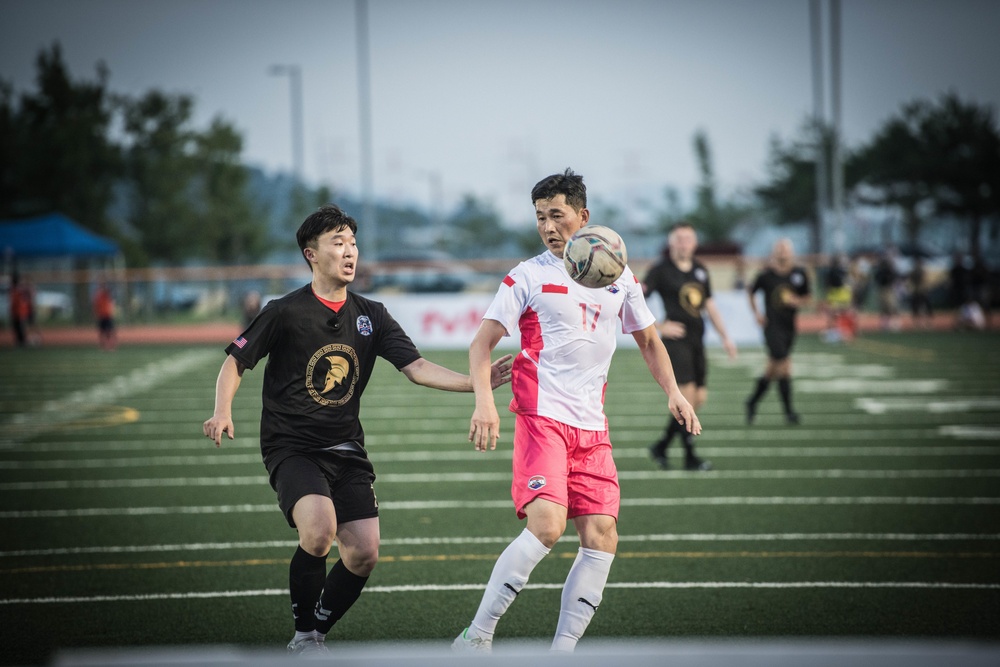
{"x": 510, "y": 574}
{"x": 581, "y": 595}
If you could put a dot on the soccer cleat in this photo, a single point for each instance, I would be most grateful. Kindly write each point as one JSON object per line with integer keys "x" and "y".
{"x": 466, "y": 644}
{"x": 696, "y": 464}
{"x": 793, "y": 418}
{"x": 659, "y": 458}
{"x": 751, "y": 412}
{"x": 309, "y": 645}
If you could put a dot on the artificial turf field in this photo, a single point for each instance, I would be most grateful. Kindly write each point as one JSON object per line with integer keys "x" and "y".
{"x": 877, "y": 517}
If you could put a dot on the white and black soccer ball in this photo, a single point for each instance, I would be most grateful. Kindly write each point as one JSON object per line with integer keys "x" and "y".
{"x": 595, "y": 256}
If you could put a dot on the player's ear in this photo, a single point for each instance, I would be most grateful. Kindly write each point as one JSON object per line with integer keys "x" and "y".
{"x": 585, "y": 215}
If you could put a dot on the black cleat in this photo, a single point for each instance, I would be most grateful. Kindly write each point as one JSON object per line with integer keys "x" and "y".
{"x": 660, "y": 459}
{"x": 696, "y": 464}
{"x": 751, "y": 412}
{"x": 793, "y": 418}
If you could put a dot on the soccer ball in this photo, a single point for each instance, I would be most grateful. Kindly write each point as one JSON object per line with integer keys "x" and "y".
{"x": 595, "y": 256}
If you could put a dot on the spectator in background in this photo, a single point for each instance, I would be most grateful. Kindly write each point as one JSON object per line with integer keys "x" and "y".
{"x": 859, "y": 278}
{"x": 980, "y": 283}
{"x": 841, "y": 323}
{"x": 104, "y": 313}
{"x": 251, "y": 306}
{"x": 886, "y": 278}
{"x": 920, "y": 302}
{"x": 20, "y": 310}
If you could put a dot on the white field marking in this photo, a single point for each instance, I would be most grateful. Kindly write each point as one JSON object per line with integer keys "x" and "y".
{"x": 435, "y": 588}
{"x": 861, "y": 386}
{"x": 79, "y": 403}
{"x": 506, "y": 504}
{"x": 950, "y": 404}
{"x": 477, "y": 477}
{"x": 971, "y": 431}
{"x": 437, "y": 541}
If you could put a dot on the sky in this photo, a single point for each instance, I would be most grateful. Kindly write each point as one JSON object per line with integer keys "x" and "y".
{"x": 488, "y": 97}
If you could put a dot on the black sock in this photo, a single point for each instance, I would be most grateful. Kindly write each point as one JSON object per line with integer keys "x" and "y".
{"x": 785, "y": 389}
{"x": 673, "y": 428}
{"x": 687, "y": 439}
{"x": 762, "y": 385}
{"x": 306, "y": 574}
{"x": 343, "y": 588}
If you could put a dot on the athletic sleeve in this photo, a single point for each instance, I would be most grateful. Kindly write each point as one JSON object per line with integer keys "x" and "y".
{"x": 259, "y": 338}
{"x": 510, "y": 300}
{"x": 635, "y": 314}
{"x": 395, "y": 346}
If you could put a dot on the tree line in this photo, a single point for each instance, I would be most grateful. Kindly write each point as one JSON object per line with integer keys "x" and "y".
{"x": 137, "y": 170}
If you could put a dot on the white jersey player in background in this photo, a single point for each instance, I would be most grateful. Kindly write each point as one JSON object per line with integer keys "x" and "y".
{"x": 563, "y": 467}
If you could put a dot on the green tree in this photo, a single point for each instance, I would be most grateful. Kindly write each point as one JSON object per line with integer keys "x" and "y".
{"x": 232, "y": 229}
{"x": 160, "y": 170}
{"x": 57, "y": 155}
{"x": 474, "y": 229}
{"x": 789, "y": 193}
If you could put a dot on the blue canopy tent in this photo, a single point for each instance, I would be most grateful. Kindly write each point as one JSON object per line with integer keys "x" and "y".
{"x": 52, "y": 235}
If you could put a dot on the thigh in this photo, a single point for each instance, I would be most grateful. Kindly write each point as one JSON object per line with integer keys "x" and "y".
{"x": 592, "y": 484}
{"x": 295, "y": 478}
{"x": 681, "y": 359}
{"x": 540, "y": 464}
{"x": 353, "y": 494}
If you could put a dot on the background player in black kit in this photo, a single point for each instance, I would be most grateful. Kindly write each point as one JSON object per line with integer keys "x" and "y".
{"x": 786, "y": 289}
{"x": 321, "y": 342}
{"x": 684, "y": 286}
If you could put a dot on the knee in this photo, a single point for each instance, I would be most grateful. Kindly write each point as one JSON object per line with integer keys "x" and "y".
{"x": 548, "y": 531}
{"x": 361, "y": 561}
{"x": 317, "y": 538}
{"x": 600, "y": 538}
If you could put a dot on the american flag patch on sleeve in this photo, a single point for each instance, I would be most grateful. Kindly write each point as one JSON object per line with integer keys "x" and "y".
{"x": 240, "y": 342}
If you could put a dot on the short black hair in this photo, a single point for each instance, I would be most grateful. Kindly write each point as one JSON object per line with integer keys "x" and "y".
{"x": 567, "y": 183}
{"x": 327, "y": 217}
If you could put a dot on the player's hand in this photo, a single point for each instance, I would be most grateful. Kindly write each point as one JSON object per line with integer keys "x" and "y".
{"x": 500, "y": 371}
{"x": 484, "y": 428}
{"x": 684, "y": 413}
{"x": 762, "y": 320}
{"x": 214, "y": 428}
{"x": 672, "y": 330}
{"x": 729, "y": 347}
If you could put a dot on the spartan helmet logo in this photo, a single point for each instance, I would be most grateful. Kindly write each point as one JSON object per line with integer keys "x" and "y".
{"x": 332, "y": 374}
{"x": 691, "y": 298}
{"x": 339, "y": 368}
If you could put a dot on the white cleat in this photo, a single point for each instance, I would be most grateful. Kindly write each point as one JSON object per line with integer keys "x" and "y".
{"x": 308, "y": 646}
{"x": 465, "y": 644}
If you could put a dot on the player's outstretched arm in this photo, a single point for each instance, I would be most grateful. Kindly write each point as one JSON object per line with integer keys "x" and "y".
{"x": 429, "y": 374}
{"x": 484, "y": 427}
{"x": 226, "y": 385}
{"x": 658, "y": 361}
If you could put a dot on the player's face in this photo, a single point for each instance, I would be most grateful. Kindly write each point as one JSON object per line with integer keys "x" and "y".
{"x": 558, "y": 221}
{"x": 683, "y": 243}
{"x": 335, "y": 256}
{"x": 782, "y": 253}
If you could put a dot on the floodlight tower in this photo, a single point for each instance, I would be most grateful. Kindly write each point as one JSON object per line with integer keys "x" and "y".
{"x": 294, "y": 74}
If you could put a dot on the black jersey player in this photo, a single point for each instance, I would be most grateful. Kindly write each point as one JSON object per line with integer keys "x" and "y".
{"x": 785, "y": 287}
{"x": 321, "y": 342}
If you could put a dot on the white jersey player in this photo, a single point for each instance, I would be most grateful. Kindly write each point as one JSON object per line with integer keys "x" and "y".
{"x": 563, "y": 467}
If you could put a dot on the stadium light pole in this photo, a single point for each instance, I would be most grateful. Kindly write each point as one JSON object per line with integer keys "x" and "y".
{"x": 294, "y": 74}
{"x": 819, "y": 125}
{"x": 369, "y": 215}
{"x": 837, "y": 159}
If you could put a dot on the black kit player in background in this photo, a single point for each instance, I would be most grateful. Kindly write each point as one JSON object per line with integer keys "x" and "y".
{"x": 685, "y": 288}
{"x": 786, "y": 289}
{"x": 322, "y": 342}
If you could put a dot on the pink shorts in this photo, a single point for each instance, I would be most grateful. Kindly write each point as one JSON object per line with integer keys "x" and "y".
{"x": 567, "y": 465}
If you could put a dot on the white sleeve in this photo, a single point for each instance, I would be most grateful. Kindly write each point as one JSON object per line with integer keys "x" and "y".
{"x": 510, "y": 301}
{"x": 635, "y": 314}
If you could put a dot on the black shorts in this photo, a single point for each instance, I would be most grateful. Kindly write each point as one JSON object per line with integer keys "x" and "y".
{"x": 351, "y": 489}
{"x": 688, "y": 360}
{"x": 779, "y": 342}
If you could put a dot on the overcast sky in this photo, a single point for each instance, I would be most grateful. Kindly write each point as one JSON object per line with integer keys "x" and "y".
{"x": 490, "y": 96}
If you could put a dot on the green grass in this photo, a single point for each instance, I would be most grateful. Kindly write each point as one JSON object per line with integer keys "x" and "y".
{"x": 878, "y": 517}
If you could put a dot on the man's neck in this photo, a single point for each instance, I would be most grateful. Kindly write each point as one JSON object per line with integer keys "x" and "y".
{"x": 682, "y": 264}
{"x": 329, "y": 289}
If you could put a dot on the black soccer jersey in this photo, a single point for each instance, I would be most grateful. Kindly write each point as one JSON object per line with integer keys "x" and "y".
{"x": 683, "y": 294}
{"x": 778, "y": 289}
{"x": 319, "y": 363}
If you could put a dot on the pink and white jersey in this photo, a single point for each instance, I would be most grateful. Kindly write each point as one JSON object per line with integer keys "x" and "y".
{"x": 567, "y": 338}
